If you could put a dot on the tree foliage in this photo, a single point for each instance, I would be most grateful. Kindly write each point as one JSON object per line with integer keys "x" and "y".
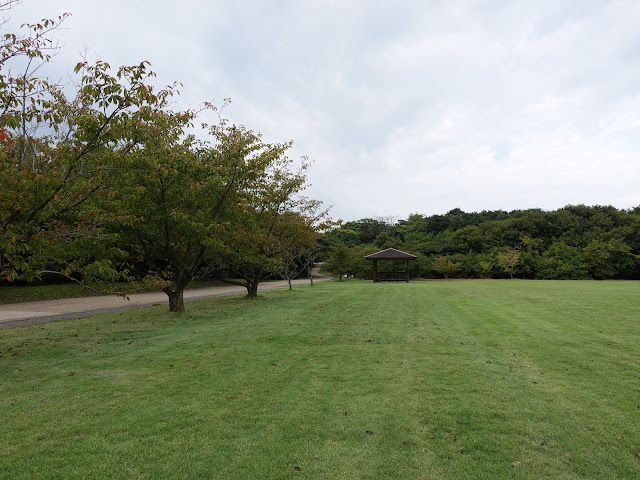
{"x": 576, "y": 241}
{"x": 106, "y": 182}
{"x": 272, "y": 218}
{"x": 58, "y": 152}
{"x": 508, "y": 260}
{"x": 445, "y": 266}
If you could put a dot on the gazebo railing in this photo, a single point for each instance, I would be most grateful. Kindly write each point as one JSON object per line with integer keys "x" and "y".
{"x": 391, "y": 276}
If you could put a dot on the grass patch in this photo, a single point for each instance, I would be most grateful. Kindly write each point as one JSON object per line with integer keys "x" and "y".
{"x": 35, "y": 293}
{"x": 455, "y": 379}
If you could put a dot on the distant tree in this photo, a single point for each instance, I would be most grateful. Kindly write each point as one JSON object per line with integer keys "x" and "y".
{"x": 272, "y": 217}
{"x": 530, "y": 254}
{"x": 508, "y": 260}
{"x": 486, "y": 267}
{"x": 343, "y": 235}
{"x": 445, "y": 266}
{"x": 307, "y": 257}
{"x": 421, "y": 267}
{"x": 386, "y": 240}
{"x": 339, "y": 260}
{"x": 471, "y": 238}
{"x": 437, "y": 224}
{"x": 298, "y": 258}
{"x": 367, "y": 228}
{"x": 440, "y": 244}
{"x": 358, "y": 265}
{"x": 562, "y": 262}
{"x": 607, "y": 258}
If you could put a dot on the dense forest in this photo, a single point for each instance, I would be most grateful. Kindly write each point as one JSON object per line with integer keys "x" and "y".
{"x": 574, "y": 242}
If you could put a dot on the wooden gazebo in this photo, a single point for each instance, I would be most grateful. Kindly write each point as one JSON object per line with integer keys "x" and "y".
{"x": 393, "y": 255}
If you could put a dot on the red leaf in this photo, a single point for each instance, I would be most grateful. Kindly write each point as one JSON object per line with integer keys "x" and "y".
{"x": 72, "y": 374}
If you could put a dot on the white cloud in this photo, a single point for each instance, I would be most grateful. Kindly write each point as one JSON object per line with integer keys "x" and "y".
{"x": 405, "y": 107}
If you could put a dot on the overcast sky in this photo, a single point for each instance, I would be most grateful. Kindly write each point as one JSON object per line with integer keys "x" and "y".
{"x": 404, "y": 107}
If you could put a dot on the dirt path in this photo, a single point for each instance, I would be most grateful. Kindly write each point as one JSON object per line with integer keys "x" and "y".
{"x": 32, "y": 313}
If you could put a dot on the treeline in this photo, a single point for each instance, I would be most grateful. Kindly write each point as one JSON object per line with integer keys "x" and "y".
{"x": 574, "y": 242}
{"x": 107, "y": 184}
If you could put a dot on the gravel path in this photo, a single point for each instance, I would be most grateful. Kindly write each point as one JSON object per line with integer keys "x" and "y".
{"x": 33, "y": 313}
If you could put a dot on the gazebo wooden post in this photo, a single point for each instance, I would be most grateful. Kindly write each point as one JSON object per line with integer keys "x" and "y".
{"x": 407, "y": 271}
{"x": 375, "y": 271}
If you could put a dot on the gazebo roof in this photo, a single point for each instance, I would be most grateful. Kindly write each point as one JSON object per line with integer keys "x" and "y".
{"x": 390, "y": 254}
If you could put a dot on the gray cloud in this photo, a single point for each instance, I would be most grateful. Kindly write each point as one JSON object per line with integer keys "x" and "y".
{"x": 404, "y": 106}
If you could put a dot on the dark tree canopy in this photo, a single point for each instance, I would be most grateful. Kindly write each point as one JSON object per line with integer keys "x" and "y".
{"x": 576, "y": 241}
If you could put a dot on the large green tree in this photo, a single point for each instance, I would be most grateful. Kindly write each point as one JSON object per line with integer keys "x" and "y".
{"x": 59, "y": 150}
{"x": 183, "y": 199}
{"x": 272, "y": 218}
{"x": 104, "y": 183}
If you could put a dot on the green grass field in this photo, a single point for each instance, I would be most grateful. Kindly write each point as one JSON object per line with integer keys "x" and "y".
{"x": 351, "y": 380}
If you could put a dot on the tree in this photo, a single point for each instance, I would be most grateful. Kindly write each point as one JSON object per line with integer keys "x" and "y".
{"x": 299, "y": 258}
{"x": 368, "y": 228}
{"x": 96, "y": 181}
{"x": 445, "y": 266}
{"x": 339, "y": 260}
{"x": 257, "y": 248}
{"x": 271, "y": 218}
{"x": 385, "y": 240}
{"x": 290, "y": 267}
{"x": 606, "y": 259}
{"x": 58, "y": 153}
{"x": 606, "y": 239}
{"x": 562, "y": 262}
{"x": 359, "y": 267}
{"x": 308, "y": 261}
{"x": 508, "y": 260}
{"x": 530, "y": 249}
{"x": 343, "y": 235}
{"x": 485, "y": 267}
{"x": 182, "y": 197}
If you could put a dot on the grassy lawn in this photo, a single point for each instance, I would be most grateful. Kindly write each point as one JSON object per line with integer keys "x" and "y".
{"x": 448, "y": 379}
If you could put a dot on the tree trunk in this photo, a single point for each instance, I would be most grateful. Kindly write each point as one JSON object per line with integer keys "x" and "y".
{"x": 176, "y": 300}
{"x": 289, "y": 280}
{"x": 252, "y": 290}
